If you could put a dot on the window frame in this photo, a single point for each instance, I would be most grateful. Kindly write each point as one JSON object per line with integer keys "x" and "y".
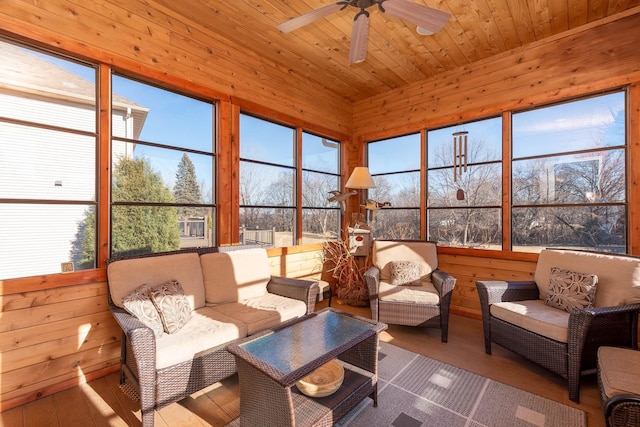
{"x": 298, "y": 172}
{"x": 395, "y": 210}
{"x": 624, "y": 148}
{"x": 209, "y": 240}
{"x": 471, "y": 164}
{"x": 70, "y": 264}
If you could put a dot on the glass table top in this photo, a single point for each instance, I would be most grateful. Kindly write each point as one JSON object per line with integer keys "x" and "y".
{"x": 293, "y": 347}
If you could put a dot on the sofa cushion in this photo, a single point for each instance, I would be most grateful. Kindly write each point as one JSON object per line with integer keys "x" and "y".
{"x": 618, "y": 276}
{"x": 619, "y": 370}
{"x": 534, "y": 316}
{"x": 235, "y": 276}
{"x": 263, "y": 312}
{"x": 405, "y": 273}
{"x": 172, "y": 305}
{"x": 205, "y": 330}
{"x": 569, "y": 289}
{"x": 126, "y": 275}
{"x": 424, "y": 294}
{"x": 385, "y": 252}
{"x": 139, "y": 304}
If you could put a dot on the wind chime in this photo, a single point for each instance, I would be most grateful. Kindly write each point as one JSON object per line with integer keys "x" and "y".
{"x": 459, "y": 158}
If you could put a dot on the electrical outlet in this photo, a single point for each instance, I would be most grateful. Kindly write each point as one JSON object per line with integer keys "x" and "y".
{"x": 67, "y": 267}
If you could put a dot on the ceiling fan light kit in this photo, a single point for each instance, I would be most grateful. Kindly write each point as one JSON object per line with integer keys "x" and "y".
{"x": 427, "y": 19}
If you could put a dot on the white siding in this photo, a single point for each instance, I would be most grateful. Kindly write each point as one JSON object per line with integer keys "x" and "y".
{"x": 36, "y": 238}
{"x": 33, "y": 159}
{"x": 53, "y": 112}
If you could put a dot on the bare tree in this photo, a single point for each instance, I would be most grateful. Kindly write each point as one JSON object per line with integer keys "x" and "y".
{"x": 474, "y": 220}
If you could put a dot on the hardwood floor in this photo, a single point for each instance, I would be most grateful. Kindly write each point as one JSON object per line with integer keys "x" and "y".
{"x": 101, "y": 403}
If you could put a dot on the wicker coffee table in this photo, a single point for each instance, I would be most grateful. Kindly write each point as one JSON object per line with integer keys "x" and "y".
{"x": 271, "y": 362}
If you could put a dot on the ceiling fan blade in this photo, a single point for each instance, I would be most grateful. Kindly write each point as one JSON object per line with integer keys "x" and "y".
{"x": 359, "y": 37}
{"x": 309, "y": 17}
{"x": 426, "y": 18}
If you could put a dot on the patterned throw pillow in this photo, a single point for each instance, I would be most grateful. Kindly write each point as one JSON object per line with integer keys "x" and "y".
{"x": 405, "y": 273}
{"x": 569, "y": 290}
{"x": 138, "y": 303}
{"x": 172, "y": 305}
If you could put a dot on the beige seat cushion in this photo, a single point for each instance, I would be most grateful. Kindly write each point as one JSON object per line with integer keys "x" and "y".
{"x": 235, "y": 276}
{"x": 263, "y": 312}
{"x": 619, "y": 370}
{"x": 425, "y": 294}
{"x": 534, "y": 316}
{"x": 618, "y": 276}
{"x": 205, "y": 330}
{"x": 384, "y": 252}
{"x": 126, "y": 275}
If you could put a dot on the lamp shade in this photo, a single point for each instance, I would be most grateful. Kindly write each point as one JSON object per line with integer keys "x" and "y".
{"x": 360, "y": 178}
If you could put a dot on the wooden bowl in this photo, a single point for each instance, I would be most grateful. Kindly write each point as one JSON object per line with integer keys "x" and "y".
{"x": 323, "y": 381}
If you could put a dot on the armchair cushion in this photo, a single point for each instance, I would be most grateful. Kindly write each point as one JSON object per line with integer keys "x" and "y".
{"x": 534, "y": 316}
{"x": 569, "y": 290}
{"x": 385, "y": 252}
{"x": 618, "y": 276}
{"x": 423, "y": 294}
{"x": 235, "y": 276}
{"x": 405, "y": 273}
{"x": 619, "y": 371}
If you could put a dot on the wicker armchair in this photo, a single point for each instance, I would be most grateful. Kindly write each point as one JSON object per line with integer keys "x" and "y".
{"x": 619, "y": 385}
{"x": 515, "y": 316}
{"x": 426, "y": 304}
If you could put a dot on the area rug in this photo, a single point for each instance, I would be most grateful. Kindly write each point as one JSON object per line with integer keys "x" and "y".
{"x": 415, "y": 390}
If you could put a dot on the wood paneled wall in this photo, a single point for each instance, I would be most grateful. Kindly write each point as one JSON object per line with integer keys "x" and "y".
{"x": 134, "y": 34}
{"x": 586, "y": 60}
{"x": 56, "y": 331}
{"x": 54, "y": 339}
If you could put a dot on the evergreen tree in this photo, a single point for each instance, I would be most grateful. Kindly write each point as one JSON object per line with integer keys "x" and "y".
{"x": 142, "y": 228}
{"x": 186, "y": 189}
{"x": 135, "y": 229}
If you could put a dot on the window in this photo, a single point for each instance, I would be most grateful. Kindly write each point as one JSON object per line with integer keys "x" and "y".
{"x": 320, "y": 175}
{"x": 568, "y": 173}
{"x": 269, "y": 180}
{"x": 464, "y": 203}
{"x": 267, "y": 183}
{"x": 163, "y": 169}
{"x": 394, "y": 165}
{"x": 48, "y": 142}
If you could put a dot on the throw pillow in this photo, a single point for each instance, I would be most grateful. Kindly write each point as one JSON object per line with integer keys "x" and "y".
{"x": 405, "y": 273}
{"x": 569, "y": 290}
{"x": 172, "y": 305}
{"x": 139, "y": 304}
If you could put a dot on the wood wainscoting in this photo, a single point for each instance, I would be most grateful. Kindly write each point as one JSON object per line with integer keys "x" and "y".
{"x": 53, "y": 339}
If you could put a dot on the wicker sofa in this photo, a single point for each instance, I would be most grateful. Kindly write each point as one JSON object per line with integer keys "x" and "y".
{"x": 227, "y": 294}
{"x": 515, "y": 316}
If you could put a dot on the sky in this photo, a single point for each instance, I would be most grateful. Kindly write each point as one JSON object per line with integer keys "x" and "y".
{"x": 556, "y": 129}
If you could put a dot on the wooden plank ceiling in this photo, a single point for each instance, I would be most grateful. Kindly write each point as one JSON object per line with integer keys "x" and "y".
{"x": 397, "y": 55}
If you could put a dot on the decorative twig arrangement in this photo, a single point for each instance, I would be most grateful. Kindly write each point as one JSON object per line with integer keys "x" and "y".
{"x": 351, "y": 286}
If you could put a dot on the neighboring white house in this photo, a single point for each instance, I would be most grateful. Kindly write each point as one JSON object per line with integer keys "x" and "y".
{"x": 48, "y": 154}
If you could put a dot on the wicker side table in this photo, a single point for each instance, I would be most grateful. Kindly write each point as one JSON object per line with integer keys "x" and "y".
{"x": 269, "y": 365}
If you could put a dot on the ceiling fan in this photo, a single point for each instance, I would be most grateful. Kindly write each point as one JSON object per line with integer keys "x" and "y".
{"x": 427, "y": 19}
